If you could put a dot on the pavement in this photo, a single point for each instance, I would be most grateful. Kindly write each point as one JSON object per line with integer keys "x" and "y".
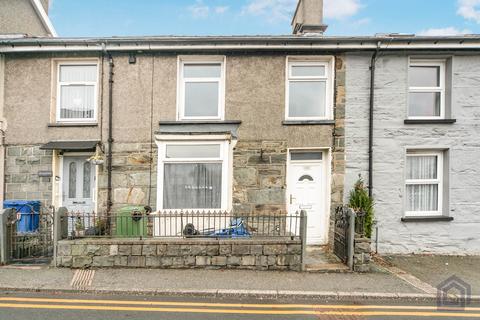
{"x": 48, "y": 306}
{"x": 434, "y": 269}
{"x": 406, "y": 277}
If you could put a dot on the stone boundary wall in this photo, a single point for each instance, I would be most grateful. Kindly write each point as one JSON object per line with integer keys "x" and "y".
{"x": 362, "y": 254}
{"x": 256, "y": 254}
{"x": 22, "y": 164}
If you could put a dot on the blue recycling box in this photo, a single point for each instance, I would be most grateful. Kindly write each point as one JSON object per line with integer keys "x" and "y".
{"x": 29, "y": 212}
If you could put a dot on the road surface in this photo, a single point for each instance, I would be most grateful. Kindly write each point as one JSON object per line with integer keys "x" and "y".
{"x": 39, "y": 306}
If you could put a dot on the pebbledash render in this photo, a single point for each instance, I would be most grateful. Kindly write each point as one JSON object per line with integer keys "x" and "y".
{"x": 250, "y": 124}
{"x": 245, "y": 147}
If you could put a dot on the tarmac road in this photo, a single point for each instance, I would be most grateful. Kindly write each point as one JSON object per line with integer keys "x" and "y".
{"x": 39, "y": 306}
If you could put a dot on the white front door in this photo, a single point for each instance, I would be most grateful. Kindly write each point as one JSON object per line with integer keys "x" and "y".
{"x": 306, "y": 191}
{"x": 78, "y": 184}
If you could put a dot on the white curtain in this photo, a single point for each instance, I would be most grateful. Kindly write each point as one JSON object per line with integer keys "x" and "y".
{"x": 74, "y": 73}
{"x": 424, "y": 196}
{"x": 77, "y": 102}
{"x": 77, "y": 93}
{"x": 192, "y": 186}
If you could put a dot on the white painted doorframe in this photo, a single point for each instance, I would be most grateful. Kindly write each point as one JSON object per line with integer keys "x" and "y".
{"x": 324, "y": 195}
{"x": 61, "y": 174}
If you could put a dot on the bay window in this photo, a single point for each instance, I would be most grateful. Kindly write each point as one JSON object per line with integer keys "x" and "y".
{"x": 193, "y": 175}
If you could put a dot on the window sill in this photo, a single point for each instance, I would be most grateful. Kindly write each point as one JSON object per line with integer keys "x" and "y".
{"x": 201, "y": 122}
{"x": 429, "y": 121}
{"x": 67, "y": 124}
{"x": 307, "y": 122}
{"x": 427, "y": 219}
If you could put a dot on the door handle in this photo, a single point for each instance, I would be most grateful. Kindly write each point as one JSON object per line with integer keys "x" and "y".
{"x": 291, "y": 198}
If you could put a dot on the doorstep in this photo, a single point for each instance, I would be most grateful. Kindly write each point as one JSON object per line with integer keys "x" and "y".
{"x": 318, "y": 259}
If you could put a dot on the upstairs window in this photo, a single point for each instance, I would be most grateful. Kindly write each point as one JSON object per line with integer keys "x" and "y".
{"x": 426, "y": 89}
{"x": 424, "y": 179}
{"x": 201, "y": 90}
{"x": 77, "y": 92}
{"x": 309, "y": 90}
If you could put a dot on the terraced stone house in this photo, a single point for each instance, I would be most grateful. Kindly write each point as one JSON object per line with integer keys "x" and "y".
{"x": 251, "y": 124}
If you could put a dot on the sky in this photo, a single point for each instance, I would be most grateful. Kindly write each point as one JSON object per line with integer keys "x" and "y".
{"x": 91, "y": 18}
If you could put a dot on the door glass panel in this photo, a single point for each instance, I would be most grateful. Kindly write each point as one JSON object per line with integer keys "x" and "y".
{"x": 306, "y": 156}
{"x": 72, "y": 180}
{"x": 86, "y": 179}
{"x": 305, "y": 177}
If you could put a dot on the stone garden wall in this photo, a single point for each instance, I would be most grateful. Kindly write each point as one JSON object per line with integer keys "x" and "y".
{"x": 181, "y": 253}
{"x": 22, "y": 165}
{"x": 362, "y": 254}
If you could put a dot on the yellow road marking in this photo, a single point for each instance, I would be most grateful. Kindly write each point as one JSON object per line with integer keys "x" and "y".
{"x": 225, "y": 305}
{"x": 241, "y": 311}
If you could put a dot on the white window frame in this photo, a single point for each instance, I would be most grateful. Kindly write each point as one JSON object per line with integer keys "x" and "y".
{"x": 182, "y": 80}
{"x": 438, "y": 181}
{"x": 69, "y": 83}
{"x": 224, "y": 158}
{"x": 441, "y": 88}
{"x": 328, "y": 78}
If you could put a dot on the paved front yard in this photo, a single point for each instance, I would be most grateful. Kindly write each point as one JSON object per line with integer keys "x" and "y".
{"x": 435, "y": 269}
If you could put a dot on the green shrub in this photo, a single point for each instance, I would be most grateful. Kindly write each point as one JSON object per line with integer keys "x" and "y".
{"x": 360, "y": 201}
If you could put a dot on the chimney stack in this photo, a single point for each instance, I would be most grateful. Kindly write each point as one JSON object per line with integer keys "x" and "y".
{"x": 308, "y": 18}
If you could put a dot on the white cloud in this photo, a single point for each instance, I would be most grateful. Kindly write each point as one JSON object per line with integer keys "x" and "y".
{"x": 448, "y": 31}
{"x": 469, "y": 9}
{"x": 340, "y": 9}
{"x": 221, "y": 9}
{"x": 362, "y": 22}
{"x": 199, "y": 9}
{"x": 283, "y": 10}
{"x": 273, "y": 10}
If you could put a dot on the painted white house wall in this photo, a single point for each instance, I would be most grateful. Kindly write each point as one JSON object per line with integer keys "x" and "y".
{"x": 391, "y": 139}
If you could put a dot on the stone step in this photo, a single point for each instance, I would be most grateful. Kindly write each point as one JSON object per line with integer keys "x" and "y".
{"x": 327, "y": 268}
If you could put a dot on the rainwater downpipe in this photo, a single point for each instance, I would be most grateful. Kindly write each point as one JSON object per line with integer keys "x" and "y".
{"x": 370, "y": 119}
{"x": 110, "y": 135}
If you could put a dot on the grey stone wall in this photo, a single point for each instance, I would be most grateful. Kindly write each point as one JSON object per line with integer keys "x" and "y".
{"x": 362, "y": 254}
{"x": 392, "y": 137}
{"x": 259, "y": 177}
{"x": 181, "y": 253}
{"x": 22, "y": 164}
{"x": 131, "y": 176}
{"x": 338, "y": 148}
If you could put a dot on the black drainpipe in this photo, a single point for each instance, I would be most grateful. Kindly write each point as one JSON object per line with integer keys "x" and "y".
{"x": 370, "y": 120}
{"x": 110, "y": 135}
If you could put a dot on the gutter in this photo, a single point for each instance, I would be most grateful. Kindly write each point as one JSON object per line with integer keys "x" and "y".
{"x": 370, "y": 119}
{"x": 241, "y": 44}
